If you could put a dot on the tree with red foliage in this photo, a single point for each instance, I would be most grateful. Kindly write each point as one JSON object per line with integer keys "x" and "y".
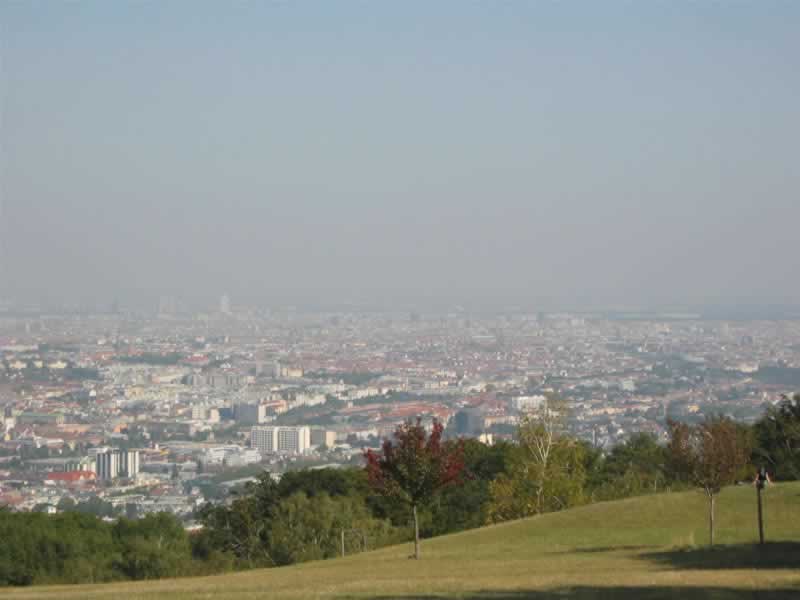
{"x": 414, "y": 466}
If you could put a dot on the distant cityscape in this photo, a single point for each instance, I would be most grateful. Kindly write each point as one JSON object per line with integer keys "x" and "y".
{"x": 136, "y": 413}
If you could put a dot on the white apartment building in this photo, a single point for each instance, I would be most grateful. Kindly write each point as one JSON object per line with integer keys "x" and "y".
{"x": 107, "y": 465}
{"x": 528, "y": 403}
{"x": 113, "y": 463}
{"x": 264, "y": 439}
{"x": 281, "y": 440}
{"x": 129, "y": 463}
{"x": 294, "y": 440}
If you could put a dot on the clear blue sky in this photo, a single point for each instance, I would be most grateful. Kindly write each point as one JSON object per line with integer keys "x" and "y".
{"x": 594, "y": 154}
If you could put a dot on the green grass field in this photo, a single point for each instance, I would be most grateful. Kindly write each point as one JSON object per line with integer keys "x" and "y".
{"x": 641, "y": 548}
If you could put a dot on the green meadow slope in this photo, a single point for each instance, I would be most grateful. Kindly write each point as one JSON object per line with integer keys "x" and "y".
{"x": 649, "y": 547}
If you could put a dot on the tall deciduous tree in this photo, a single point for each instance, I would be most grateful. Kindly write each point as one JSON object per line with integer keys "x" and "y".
{"x": 711, "y": 455}
{"x": 414, "y": 466}
{"x": 549, "y": 470}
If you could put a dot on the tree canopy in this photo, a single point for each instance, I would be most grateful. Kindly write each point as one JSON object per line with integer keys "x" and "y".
{"x": 414, "y": 466}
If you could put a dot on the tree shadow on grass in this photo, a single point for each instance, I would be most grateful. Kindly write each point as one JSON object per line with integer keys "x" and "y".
{"x": 601, "y": 549}
{"x": 606, "y": 593}
{"x": 775, "y": 555}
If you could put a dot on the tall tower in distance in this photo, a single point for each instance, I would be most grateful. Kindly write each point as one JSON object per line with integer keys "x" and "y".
{"x": 167, "y": 306}
{"x": 225, "y": 304}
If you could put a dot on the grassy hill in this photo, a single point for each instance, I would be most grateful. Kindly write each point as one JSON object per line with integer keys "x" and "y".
{"x": 641, "y": 548}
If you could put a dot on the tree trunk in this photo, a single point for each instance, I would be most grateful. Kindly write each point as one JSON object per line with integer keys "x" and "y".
{"x": 416, "y": 533}
{"x": 760, "y": 517}
{"x": 711, "y": 520}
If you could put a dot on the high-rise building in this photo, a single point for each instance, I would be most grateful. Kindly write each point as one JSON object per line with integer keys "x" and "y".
{"x": 225, "y": 304}
{"x": 470, "y": 421}
{"x": 528, "y": 403}
{"x": 108, "y": 464}
{"x": 167, "y": 305}
{"x": 294, "y": 440}
{"x": 113, "y": 463}
{"x": 129, "y": 463}
{"x": 281, "y": 440}
{"x": 264, "y": 439}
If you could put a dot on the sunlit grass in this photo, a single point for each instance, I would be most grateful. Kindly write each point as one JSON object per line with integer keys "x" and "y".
{"x": 649, "y": 547}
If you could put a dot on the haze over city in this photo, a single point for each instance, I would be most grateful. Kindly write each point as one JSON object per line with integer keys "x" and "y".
{"x": 449, "y": 300}
{"x": 493, "y": 154}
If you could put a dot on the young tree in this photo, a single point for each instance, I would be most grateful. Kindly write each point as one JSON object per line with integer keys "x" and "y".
{"x": 710, "y": 455}
{"x": 540, "y": 436}
{"x": 549, "y": 470}
{"x": 414, "y": 466}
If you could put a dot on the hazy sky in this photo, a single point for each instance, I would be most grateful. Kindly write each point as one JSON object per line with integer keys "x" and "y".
{"x": 313, "y": 152}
